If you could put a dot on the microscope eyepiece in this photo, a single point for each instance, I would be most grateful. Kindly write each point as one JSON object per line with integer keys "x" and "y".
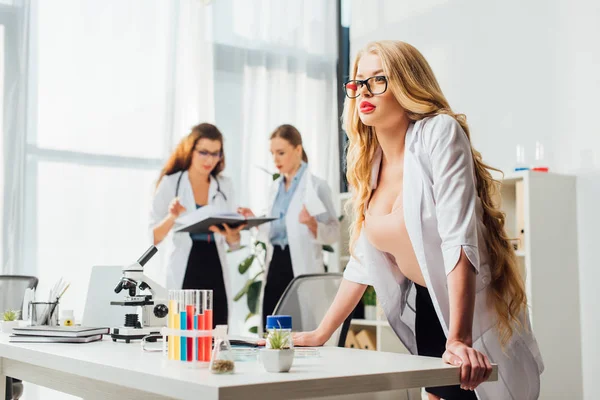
{"x": 147, "y": 255}
{"x": 119, "y": 287}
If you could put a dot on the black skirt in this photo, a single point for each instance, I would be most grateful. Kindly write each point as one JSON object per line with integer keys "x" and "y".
{"x": 431, "y": 342}
{"x": 204, "y": 271}
{"x": 279, "y": 276}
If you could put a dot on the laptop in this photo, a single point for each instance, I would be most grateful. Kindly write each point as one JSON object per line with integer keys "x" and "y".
{"x": 101, "y": 291}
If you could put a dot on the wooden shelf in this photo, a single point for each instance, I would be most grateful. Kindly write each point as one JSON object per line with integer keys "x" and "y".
{"x": 369, "y": 322}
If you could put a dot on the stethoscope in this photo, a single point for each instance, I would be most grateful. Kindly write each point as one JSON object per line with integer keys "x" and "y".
{"x": 214, "y": 196}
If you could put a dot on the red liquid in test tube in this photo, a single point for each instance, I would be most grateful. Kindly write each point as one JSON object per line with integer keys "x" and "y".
{"x": 208, "y": 323}
{"x": 190, "y": 326}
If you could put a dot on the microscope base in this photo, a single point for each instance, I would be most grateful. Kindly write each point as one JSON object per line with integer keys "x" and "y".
{"x": 127, "y": 334}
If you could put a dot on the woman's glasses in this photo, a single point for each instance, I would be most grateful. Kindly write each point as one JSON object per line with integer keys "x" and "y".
{"x": 207, "y": 154}
{"x": 375, "y": 85}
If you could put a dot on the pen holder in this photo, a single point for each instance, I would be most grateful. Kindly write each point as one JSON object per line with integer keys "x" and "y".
{"x": 43, "y": 313}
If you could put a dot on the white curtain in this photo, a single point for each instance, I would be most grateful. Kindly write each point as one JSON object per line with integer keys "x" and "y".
{"x": 14, "y": 31}
{"x": 275, "y": 63}
{"x": 103, "y": 91}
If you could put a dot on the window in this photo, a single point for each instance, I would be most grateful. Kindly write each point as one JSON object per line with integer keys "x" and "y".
{"x": 8, "y": 23}
{"x": 344, "y": 15}
{"x": 99, "y": 80}
{"x": 2, "y": 95}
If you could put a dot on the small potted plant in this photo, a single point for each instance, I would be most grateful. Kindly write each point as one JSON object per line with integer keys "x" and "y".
{"x": 369, "y": 300}
{"x": 9, "y": 321}
{"x": 279, "y": 355}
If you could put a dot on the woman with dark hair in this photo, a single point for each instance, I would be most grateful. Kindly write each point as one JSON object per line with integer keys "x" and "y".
{"x": 192, "y": 179}
{"x": 306, "y": 218}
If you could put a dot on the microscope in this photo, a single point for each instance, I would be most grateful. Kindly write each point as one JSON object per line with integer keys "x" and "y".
{"x": 153, "y": 306}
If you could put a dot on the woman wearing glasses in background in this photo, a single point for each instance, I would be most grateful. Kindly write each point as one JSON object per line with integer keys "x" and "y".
{"x": 190, "y": 180}
{"x": 427, "y": 234}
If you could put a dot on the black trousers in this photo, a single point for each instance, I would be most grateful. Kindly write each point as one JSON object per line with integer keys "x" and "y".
{"x": 279, "y": 276}
{"x": 431, "y": 342}
{"x": 204, "y": 271}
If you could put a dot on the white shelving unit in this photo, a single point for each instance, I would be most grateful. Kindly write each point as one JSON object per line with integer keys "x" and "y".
{"x": 541, "y": 212}
{"x": 544, "y": 206}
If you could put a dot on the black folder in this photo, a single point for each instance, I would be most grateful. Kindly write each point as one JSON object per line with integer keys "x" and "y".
{"x": 232, "y": 221}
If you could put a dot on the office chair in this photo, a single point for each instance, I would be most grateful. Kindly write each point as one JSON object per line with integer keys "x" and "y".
{"x": 12, "y": 291}
{"x": 307, "y": 298}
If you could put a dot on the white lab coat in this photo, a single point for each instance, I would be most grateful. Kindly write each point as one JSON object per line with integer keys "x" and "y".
{"x": 179, "y": 251}
{"x": 306, "y": 251}
{"x": 444, "y": 215}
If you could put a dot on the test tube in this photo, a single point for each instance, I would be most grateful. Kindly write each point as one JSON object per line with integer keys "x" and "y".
{"x": 208, "y": 322}
{"x": 176, "y": 325}
{"x": 199, "y": 324}
{"x": 190, "y": 308}
{"x": 540, "y": 160}
{"x": 171, "y": 322}
{"x": 182, "y": 325}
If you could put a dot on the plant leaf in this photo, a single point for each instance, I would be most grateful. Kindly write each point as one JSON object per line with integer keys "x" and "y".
{"x": 262, "y": 244}
{"x": 253, "y": 329}
{"x": 341, "y": 218}
{"x": 243, "y": 291}
{"x": 369, "y": 298}
{"x": 276, "y": 176}
{"x": 327, "y": 248}
{"x": 245, "y": 265}
{"x": 250, "y": 315}
{"x": 253, "y": 296}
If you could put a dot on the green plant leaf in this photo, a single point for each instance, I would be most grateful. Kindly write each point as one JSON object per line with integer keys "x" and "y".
{"x": 327, "y": 248}
{"x": 253, "y": 296}
{"x": 341, "y": 218}
{"x": 243, "y": 291}
{"x": 10, "y": 315}
{"x": 250, "y": 315}
{"x": 279, "y": 339}
{"x": 262, "y": 244}
{"x": 276, "y": 176}
{"x": 253, "y": 329}
{"x": 245, "y": 265}
{"x": 369, "y": 298}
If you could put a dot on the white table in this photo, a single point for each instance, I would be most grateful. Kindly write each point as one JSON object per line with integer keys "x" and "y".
{"x": 107, "y": 370}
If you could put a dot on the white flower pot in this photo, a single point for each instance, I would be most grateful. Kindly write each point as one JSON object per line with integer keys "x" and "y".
{"x": 277, "y": 360}
{"x": 371, "y": 312}
{"x": 7, "y": 326}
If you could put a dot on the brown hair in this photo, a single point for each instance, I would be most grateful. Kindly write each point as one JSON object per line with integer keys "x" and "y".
{"x": 292, "y": 135}
{"x": 415, "y": 87}
{"x": 181, "y": 158}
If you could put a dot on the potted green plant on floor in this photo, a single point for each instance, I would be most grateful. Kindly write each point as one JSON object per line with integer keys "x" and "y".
{"x": 369, "y": 300}
{"x": 278, "y": 356}
{"x": 9, "y": 321}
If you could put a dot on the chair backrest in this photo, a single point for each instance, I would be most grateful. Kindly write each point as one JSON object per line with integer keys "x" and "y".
{"x": 307, "y": 298}
{"x": 12, "y": 290}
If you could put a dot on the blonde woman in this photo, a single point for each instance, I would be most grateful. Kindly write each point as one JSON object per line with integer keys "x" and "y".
{"x": 427, "y": 234}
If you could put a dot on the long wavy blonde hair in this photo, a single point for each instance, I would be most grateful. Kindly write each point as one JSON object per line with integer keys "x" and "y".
{"x": 415, "y": 87}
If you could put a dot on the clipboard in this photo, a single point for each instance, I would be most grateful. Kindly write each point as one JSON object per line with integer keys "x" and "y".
{"x": 202, "y": 225}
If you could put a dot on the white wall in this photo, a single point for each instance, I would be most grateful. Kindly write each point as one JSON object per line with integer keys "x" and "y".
{"x": 521, "y": 72}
